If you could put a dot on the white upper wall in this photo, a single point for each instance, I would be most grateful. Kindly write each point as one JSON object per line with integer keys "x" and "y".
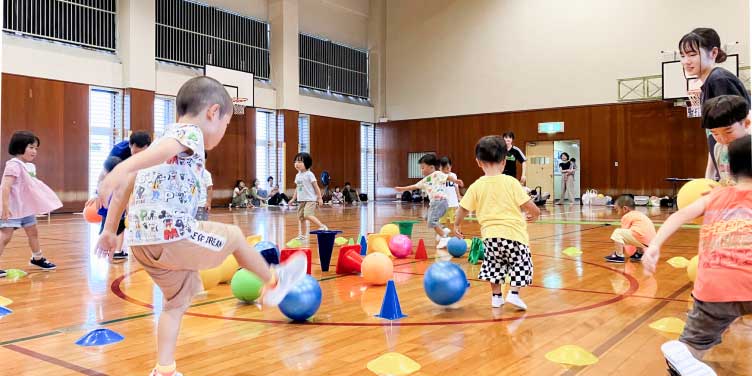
{"x": 341, "y": 21}
{"x": 452, "y": 57}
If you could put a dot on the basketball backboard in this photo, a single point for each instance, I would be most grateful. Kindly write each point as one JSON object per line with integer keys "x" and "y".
{"x": 675, "y": 82}
{"x": 238, "y": 84}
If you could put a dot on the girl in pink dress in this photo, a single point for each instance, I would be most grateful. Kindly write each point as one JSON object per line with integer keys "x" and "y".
{"x": 23, "y": 197}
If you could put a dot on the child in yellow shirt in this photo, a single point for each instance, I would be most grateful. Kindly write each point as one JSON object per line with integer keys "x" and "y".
{"x": 497, "y": 199}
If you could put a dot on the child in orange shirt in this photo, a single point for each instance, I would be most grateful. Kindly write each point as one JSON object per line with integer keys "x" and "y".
{"x": 723, "y": 287}
{"x": 636, "y": 232}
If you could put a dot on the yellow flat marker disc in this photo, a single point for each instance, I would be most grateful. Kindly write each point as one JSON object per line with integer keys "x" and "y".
{"x": 4, "y": 302}
{"x": 669, "y": 325}
{"x": 678, "y": 262}
{"x": 572, "y": 355}
{"x": 393, "y": 364}
{"x": 572, "y": 251}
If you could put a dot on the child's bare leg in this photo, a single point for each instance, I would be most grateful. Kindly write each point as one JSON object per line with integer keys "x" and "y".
{"x": 619, "y": 249}
{"x": 6, "y": 234}
{"x": 301, "y": 225}
{"x": 496, "y": 288}
{"x": 314, "y": 220}
{"x": 249, "y": 259}
{"x": 33, "y": 235}
{"x": 439, "y": 230}
{"x": 515, "y": 289}
{"x": 168, "y": 329}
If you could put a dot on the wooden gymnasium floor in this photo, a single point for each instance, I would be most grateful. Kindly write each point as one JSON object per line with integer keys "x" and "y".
{"x": 605, "y": 308}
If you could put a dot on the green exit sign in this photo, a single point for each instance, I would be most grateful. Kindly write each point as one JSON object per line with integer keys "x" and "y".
{"x": 551, "y": 127}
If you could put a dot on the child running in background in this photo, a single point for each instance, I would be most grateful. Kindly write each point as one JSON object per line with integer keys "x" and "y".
{"x": 434, "y": 183}
{"x": 164, "y": 235}
{"x": 23, "y": 197}
{"x": 723, "y": 286}
{"x": 307, "y": 193}
{"x": 497, "y": 199}
{"x": 636, "y": 232}
{"x": 452, "y": 192}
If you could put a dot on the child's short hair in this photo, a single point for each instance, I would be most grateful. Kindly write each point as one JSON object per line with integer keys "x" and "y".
{"x": 625, "y": 201}
{"x": 740, "y": 157}
{"x": 140, "y": 139}
{"x": 491, "y": 149}
{"x": 347, "y": 183}
{"x": 111, "y": 162}
{"x": 198, "y": 93}
{"x": 20, "y": 140}
{"x": 723, "y": 111}
{"x": 445, "y": 161}
{"x": 270, "y": 178}
{"x": 429, "y": 159}
{"x": 237, "y": 182}
{"x": 305, "y": 158}
{"x": 508, "y": 135}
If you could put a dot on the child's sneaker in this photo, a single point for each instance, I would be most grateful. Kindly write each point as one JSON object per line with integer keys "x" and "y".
{"x": 497, "y": 301}
{"x": 682, "y": 361}
{"x": 446, "y": 232}
{"x": 442, "y": 243}
{"x": 301, "y": 237}
{"x": 288, "y": 274}
{"x": 323, "y": 228}
{"x": 637, "y": 257}
{"x": 42, "y": 263}
{"x": 516, "y": 301}
{"x": 615, "y": 258}
{"x": 154, "y": 372}
{"x": 2, "y": 273}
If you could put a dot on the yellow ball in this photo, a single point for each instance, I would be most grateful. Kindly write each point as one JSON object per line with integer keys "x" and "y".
{"x": 692, "y": 268}
{"x": 253, "y": 239}
{"x": 693, "y": 190}
{"x": 228, "y": 269}
{"x": 390, "y": 229}
{"x": 210, "y": 278}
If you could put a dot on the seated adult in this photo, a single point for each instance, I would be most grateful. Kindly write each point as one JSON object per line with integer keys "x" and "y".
{"x": 350, "y": 194}
{"x": 275, "y": 197}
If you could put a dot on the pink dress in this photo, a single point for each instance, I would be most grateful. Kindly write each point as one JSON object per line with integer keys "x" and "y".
{"x": 28, "y": 195}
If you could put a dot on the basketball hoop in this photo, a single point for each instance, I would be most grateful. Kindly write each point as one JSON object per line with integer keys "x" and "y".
{"x": 694, "y": 108}
{"x": 238, "y": 106}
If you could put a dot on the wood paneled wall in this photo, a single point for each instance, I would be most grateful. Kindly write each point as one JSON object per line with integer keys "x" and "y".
{"x": 335, "y": 147}
{"x": 292, "y": 139}
{"x": 234, "y": 157}
{"x": 651, "y": 141}
{"x": 58, "y": 113}
{"x": 141, "y": 110}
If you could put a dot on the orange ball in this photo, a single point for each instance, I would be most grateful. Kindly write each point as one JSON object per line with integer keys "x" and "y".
{"x": 377, "y": 268}
{"x": 91, "y": 215}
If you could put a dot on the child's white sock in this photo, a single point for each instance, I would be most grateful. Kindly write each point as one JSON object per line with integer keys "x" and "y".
{"x": 36, "y": 255}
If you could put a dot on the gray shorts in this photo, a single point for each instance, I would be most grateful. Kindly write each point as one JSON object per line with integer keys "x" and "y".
{"x": 19, "y": 222}
{"x": 436, "y": 210}
{"x": 708, "y": 320}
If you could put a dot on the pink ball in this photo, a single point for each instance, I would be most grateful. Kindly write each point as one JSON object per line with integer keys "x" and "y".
{"x": 401, "y": 246}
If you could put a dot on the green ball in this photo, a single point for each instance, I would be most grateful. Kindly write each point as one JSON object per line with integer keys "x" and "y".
{"x": 246, "y": 286}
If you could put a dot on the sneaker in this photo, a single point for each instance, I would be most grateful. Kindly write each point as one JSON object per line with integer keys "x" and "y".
{"x": 446, "y": 232}
{"x": 683, "y": 362}
{"x": 497, "y": 301}
{"x": 42, "y": 263}
{"x": 301, "y": 237}
{"x": 122, "y": 255}
{"x": 615, "y": 258}
{"x": 637, "y": 257}
{"x": 2, "y": 273}
{"x": 154, "y": 372}
{"x": 288, "y": 274}
{"x": 323, "y": 228}
{"x": 516, "y": 301}
{"x": 442, "y": 243}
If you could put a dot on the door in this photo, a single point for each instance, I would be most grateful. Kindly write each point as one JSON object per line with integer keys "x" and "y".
{"x": 572, "y": 149}
{"x": 540, "y": 170}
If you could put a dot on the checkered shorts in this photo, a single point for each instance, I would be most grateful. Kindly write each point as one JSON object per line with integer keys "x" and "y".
{"x": 506, "y": 257}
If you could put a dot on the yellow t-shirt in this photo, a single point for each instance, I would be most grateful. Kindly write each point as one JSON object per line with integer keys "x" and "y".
{"x": 496, "y": 200}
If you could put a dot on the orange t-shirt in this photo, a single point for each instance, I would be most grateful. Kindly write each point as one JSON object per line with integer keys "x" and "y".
{"x": 641, "y": 226}
{"x": 724, "y": 272}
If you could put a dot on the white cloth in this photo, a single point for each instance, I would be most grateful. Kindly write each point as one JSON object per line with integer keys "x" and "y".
{"x": 451, "y": 192}
{"x": 206, "y": 182}
{"x": 305, "y": 190}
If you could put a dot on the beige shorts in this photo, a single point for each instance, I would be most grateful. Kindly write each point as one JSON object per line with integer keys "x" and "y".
{"x": 624, "y": 236}
{"x": 174, "y": 266}
{"x": 306, "y": 209}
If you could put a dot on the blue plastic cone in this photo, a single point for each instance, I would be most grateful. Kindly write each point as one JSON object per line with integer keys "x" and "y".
{"x": 5, "y": 311}
{"x": 363, "y": 246}
{"x": 326, "y": 244}
{"x": 99, "y": 337}
{"x": 390, "y": 307}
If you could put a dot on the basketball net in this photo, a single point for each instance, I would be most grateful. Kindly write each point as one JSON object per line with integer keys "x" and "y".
{"x": 238, "y": 106}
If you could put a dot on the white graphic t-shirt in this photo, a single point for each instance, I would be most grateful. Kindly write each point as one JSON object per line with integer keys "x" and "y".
{"x": 206, "y": 182}
{"x": 304, "y": 182}
{"x": 165, "y": 197}
{"x": 451, "y": 192}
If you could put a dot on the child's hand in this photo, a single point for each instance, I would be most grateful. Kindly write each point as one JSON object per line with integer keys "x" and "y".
{"x": 460, "y": 183}
{"x": 458, "y": 232}
{"x": 94, "y": 201}
{"x": 321, "y": 201}
{"x": 5, "y": 214}
{"x": 107, "y": 243}
{"x": 650, "y": 259}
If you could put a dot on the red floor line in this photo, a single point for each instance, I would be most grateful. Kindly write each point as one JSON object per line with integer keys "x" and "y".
{"x": 53, "y": 360}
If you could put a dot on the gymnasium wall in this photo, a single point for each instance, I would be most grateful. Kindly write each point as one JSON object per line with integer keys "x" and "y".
{"x": 650, "y": 141}
{"x": 335, "y": 147}
{"x": 452, "y": 57}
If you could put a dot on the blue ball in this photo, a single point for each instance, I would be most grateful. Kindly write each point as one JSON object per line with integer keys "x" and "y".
{"x": 457, "y": 247}
{"x": 445, "y": 283}
{"x": 303, "y": 300}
